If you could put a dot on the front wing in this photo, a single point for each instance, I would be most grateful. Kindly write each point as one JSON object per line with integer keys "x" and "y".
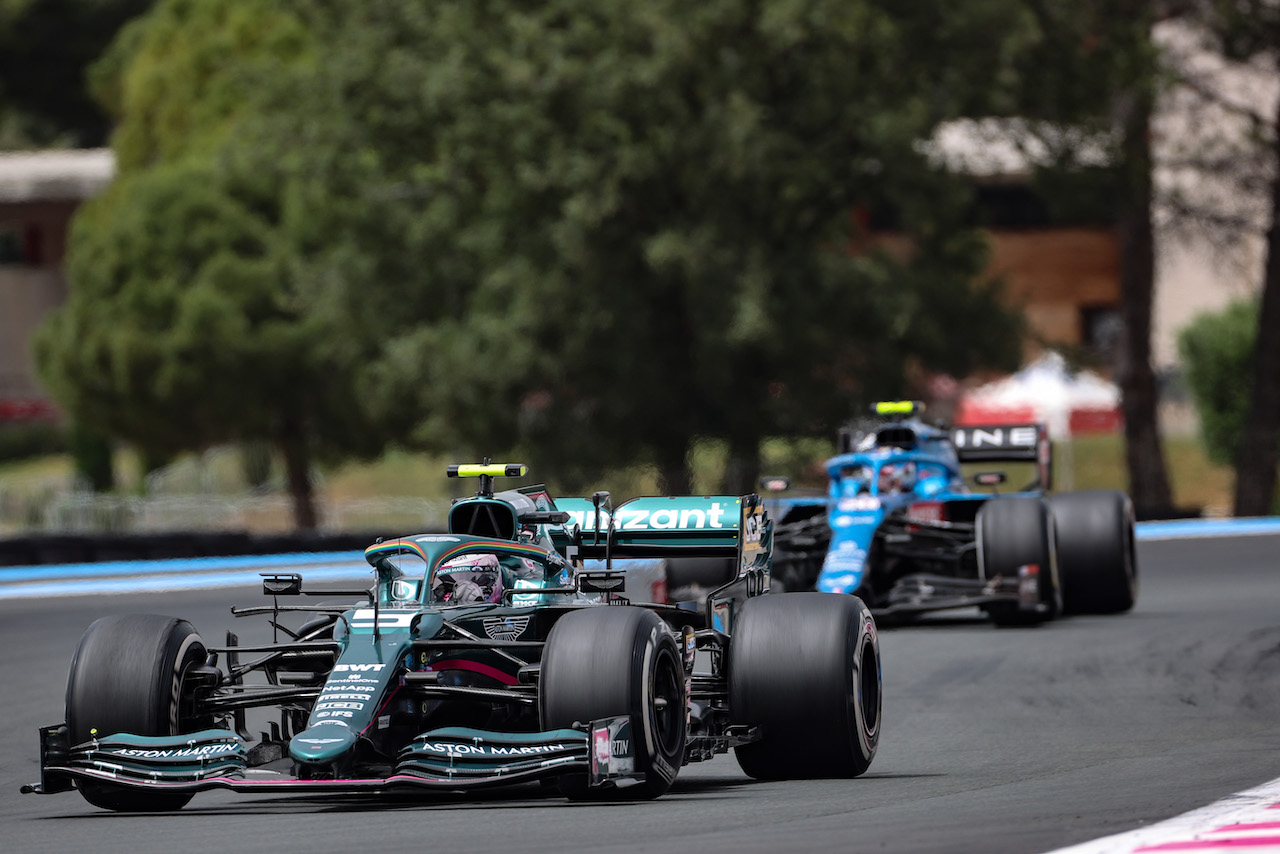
{"x": 452, "y": 758}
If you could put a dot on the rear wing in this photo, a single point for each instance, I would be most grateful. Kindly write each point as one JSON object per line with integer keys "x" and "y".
{"x": 1027, "y": 443}
{"x": 680, "y": 526}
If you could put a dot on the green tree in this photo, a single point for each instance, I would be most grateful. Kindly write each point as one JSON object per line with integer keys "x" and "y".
{"x": 192, "y": 322}
{"x": 1217, "y": 350}
{"x": 91, "y": 452}
{"x": 179, "y": 80}
{"x": 204, "y": 306}
{"x": 636, "y": 218}
{"x": 594, "y": 231}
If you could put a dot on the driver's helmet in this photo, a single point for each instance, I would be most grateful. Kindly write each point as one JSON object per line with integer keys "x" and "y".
{"x": 897, "y": 477}
{"x": 470, "y": 578}
{"x": 907, "y": 476}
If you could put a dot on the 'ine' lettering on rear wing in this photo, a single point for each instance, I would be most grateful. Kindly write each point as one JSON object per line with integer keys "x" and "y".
{"x": 1005, "y": 443}
{"x": 703, "y": 526}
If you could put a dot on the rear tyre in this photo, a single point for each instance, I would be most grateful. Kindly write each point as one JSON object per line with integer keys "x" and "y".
{"x": 805, "y": 669}
{"x": 1096, "y": 555}
{"x": 617, "y": 660}
{"x": 128, "y": 675}
{"x": 1012, "y": 533}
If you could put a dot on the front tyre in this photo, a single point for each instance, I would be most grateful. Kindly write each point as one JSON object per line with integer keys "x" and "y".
{"x": 805, "y": 669}
{"x": 612, "y": 660}
{"x": 129, "y": 675}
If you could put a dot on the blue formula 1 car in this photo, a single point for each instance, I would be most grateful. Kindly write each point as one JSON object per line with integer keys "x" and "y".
{"x": 499, "y": 652}
{"x": 900, "y": 527}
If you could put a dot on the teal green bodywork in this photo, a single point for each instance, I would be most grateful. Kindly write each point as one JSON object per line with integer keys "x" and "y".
{"x": 356, "y": 689}
{"x": 191, "y": 756}
{"x": 370, "y": 663}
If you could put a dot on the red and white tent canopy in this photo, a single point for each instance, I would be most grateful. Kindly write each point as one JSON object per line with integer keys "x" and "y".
{"x": 1046, "y": 391}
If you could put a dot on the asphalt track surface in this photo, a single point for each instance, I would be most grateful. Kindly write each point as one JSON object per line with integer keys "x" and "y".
{"x": 1016, "y": 740}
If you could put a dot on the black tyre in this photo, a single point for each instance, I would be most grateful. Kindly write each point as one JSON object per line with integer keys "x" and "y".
{"x": 1015, "y": 532}
{"x": 805, "y": 668}
{"x": 617, "y": 660}
{"x": 128, "y": 675}
{"x": 1096, "y": 555}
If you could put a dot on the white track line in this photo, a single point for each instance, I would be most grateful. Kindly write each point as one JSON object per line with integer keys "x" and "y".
{"x": 1245, "y": 821}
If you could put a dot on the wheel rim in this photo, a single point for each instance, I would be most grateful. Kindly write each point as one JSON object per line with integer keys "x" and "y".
{"x": 668, "y": 715}
{"x": 184, "y": 716}
{"x": 868, "y": 677}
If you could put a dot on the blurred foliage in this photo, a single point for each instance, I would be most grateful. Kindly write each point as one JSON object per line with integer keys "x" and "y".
{"x": 46, "y": 46}
{"x": 630, "y": 223}
{"x": 194, "y": 317}
{"x": 1217, "y": 350}
{"x": 1074, "y": 195}
{"x": 180, "y": 79}
{"x": 92, "y": 455}
{"x": 26, "y": 439}
{"x": 256, "y": 462}
{"x": 581, "y": 232}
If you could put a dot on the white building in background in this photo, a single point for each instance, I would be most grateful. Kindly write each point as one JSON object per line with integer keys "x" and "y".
{"x": 39, "y": 192}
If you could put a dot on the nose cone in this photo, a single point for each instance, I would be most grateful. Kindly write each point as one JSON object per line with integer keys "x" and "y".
{"x": 845, "y": 583}
{"x": 321, "y": 744}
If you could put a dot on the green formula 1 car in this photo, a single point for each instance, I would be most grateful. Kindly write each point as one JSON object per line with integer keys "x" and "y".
{"x": 499, "y": 652}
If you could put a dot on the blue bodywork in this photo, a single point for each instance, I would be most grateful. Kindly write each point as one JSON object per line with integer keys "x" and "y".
{"x": 895, "y": 503}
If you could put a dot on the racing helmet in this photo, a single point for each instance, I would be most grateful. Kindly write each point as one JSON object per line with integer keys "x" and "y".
{"x": 907, "y": 476}
{"x": 470, "y": 578}
{"x": 897, "y": 477}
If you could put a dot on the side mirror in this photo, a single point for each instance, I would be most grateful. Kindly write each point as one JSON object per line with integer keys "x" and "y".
{"x": 601, "y": 582}
{"x": 775, "y": 484}
{"x": 281, "y": 584}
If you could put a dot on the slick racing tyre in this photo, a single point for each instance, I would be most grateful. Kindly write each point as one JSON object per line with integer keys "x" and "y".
{"x": 610, "y": 660}
{"x": 128, "y": 675}
{"x": 805, "y": 669}
{"x": 1096, "y": 556}
{"x": 1012, "y": 533}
